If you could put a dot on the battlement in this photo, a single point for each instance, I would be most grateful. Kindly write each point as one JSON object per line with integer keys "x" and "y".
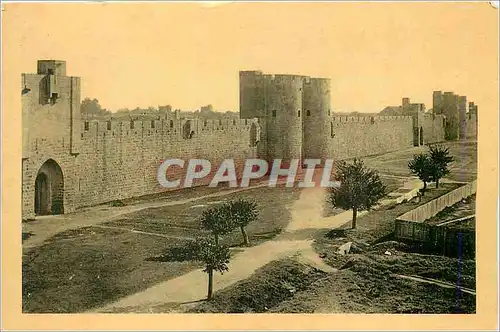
{"x": 432, "y": 115}
{"x": 277, "y": 78}
{"x": 173, "y": 127}
{"x": 369, "y": 119}
{"x": 251, "y": 73}
{"x": 283, "y": 77}
{"x": 51, "y": 67}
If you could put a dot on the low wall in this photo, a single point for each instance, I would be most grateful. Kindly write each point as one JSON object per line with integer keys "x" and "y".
{"x": 433, "y": 207}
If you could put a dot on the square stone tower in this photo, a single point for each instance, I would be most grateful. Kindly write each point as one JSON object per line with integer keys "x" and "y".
{"x": 51, "y": 138}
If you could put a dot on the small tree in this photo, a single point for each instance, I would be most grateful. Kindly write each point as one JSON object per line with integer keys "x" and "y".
{"x": 360, "y": 188}
{"x": 440, "y": 158}
{"x": 242, "y": 213}
{"x": 218, "y": 221}
{"x": 421, "y": 166}
{"x": 215, "y": 258}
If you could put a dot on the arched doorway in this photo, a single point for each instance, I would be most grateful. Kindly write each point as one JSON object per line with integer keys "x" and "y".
{"x": 421, "y": 136}
{"x": 49, "y": 189}
{"x": 254, "y": 134}
{"x": 187, "y": 131}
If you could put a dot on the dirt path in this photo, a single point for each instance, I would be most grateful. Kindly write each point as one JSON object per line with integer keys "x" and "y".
{"x": 306, "y": 214}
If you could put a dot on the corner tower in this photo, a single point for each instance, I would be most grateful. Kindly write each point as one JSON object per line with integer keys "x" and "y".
{"x": 284, "y": 116}
{"x": 316, "y": 118}
{"x": 293, "y": 111}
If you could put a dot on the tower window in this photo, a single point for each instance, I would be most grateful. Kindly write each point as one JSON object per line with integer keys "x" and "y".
{"x": 298, "y": 113}
{"x": 109, "y": 125}
{"x": 308, "y": 113}
{"x": 332, "y": 135}
{"x": 152, "y": 123}
{"x": 86, "y": 126}
{"x": 132, "y": 124}
{"x": 329, "y": 112}
{"x": 274, "y": 113}
{"x": 171, "y": 123}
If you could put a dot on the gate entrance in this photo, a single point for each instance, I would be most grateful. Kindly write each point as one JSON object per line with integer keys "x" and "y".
{"x": 49, "y": 189}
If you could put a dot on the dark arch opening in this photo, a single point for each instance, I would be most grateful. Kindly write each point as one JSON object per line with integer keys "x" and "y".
{"x": 49, "y": 189}
{"x": 253, "y": 135}
{"x": 187, "y": 132}
{"x": 421, "y": 136}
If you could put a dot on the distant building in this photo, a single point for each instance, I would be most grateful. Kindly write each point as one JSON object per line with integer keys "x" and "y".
{"x": 454, "y": 108}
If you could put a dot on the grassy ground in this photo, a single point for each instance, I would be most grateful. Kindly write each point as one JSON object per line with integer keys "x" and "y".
{"x": 392, "y": 185}
{"x": 184, "y": 220}
{"x": 464, "y": 168}
{"x": 77, "y": 270}
{"x": 465, "y": 207}
{"x": 80, "y": 269}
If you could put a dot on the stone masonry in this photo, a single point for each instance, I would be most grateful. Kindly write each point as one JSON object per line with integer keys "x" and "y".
{"x": 69, "y": 163}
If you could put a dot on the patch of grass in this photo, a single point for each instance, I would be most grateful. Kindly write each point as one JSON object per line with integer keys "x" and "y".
{"x": 445, "y": 212}
{"x": 336, "y": 233}
{"x": 463, "y": 169}
{"x": 392, "y": 184}
{"x": 465, "y": 207}
{"x": 81, "y": 269}
{"x": 117, "y": 203}
{"x": 266, "y": 288}
{"x": 84, "y": 268}
{"x": 183, "y": 220}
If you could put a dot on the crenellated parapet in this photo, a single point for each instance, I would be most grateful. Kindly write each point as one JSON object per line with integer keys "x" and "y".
{"x": 182, "y": 128}
{"x": 368, "y": 119}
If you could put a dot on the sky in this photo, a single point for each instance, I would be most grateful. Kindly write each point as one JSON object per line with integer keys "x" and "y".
{"x": 189, "y": 54}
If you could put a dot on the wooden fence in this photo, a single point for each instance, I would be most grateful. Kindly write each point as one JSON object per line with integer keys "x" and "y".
{"x": 442, "y": 238}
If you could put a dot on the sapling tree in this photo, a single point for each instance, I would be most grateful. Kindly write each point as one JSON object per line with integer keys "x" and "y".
{"x": 421, "y": 166}
{"x": 218, "y": 220}
{"x": 360, "y": 188}
{"x": 440, "y": 158}
{"x": 242, "y": 213}
{"x": 215, "y": 258}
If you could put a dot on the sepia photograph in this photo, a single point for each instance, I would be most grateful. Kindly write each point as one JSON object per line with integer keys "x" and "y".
{"x": 252, "y": 158}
